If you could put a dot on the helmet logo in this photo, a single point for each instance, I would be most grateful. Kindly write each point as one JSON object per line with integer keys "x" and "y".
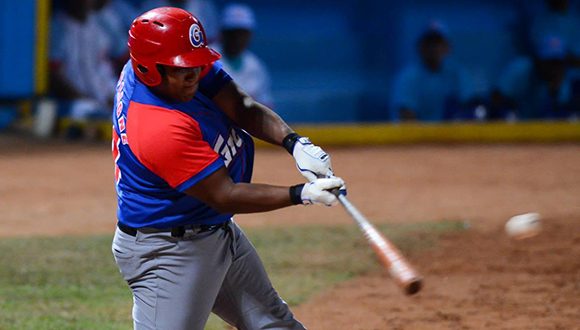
{"x": 196, "y": 35}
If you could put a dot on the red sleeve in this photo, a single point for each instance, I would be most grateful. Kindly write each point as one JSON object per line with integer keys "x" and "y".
{"x": 170, "y": 144}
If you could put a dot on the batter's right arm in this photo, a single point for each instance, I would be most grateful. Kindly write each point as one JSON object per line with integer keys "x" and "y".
{"x": 221, "y": 193}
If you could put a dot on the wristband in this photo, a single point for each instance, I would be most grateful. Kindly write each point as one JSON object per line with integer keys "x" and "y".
{"x": 289, "y": 142}
{"x": 296, "y": 194}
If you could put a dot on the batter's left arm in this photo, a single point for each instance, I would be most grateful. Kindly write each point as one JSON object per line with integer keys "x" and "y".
{"x": 264, "y": 124}
{"x": 256, "y": 118}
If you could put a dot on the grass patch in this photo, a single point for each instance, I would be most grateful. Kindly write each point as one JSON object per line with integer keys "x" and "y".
{"x": 73, "y": 283}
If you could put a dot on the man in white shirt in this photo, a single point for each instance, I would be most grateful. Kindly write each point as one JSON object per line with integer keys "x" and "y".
{"x": 81, "y": 71}
{"x": 237, "y": 25}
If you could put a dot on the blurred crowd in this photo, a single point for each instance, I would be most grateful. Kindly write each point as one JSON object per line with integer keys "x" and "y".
{"x": 542, "y": 83}
{"x": 88, "y": 50}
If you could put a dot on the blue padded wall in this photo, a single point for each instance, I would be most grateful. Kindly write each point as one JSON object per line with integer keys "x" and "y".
{"x": 334, "y": 61}
{"x": 330, "y": 61}
{"x": 17, "y": 33}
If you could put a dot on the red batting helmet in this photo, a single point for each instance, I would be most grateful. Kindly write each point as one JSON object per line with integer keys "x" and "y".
{"x": 168, "y": 36}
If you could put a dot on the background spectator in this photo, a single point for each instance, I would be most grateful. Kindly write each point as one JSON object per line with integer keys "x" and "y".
{"x": 204, "y": 10}
{"x": 112, "y": 17}
{"x": 346, "y": 69}
{"x": 81, "y": 74}
{"x": 540, "y": 87}
{"x": 434, "y": 89}
{"x": 558, "y": 18}
{"x": 237, "y": 25}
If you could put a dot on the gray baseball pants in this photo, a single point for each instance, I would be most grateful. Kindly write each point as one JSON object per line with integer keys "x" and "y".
{"x": 177, "y": 282}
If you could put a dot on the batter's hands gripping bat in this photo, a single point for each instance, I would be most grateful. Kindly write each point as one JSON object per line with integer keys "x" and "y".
{"x": 399, "y": 269}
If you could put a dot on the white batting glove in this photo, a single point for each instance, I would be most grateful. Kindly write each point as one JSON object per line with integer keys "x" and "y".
{"x": 318, "y": 191}
{"x": 311, "y": 160}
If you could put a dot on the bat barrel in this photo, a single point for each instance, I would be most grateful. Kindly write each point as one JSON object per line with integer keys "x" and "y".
{"x": 400, "y": 270}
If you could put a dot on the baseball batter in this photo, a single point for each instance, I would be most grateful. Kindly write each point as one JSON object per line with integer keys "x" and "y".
{"x": 183, "y": 163}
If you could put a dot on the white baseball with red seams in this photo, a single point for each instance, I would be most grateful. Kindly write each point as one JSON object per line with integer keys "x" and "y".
{"x": 524, "y": 225}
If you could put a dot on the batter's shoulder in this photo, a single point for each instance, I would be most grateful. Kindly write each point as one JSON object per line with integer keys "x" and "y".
{"x": 156, "y": 122}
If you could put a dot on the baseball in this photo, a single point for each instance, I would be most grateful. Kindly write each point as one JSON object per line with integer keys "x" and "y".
{"x": 523, "y": 226}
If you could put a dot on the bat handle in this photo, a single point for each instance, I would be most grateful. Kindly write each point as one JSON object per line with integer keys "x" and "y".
{"x": 337, "y": 192}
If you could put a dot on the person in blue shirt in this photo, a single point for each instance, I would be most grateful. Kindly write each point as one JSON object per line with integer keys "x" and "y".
{"x": 433, "y": 89}
{"x": 538, "y": 87}
{"x": 559, "y": 18}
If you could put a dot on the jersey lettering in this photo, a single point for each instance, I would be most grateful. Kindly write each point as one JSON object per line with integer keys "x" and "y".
{"x": 121, "y": 123}
{"x": 116, "y": 156}
{"x": 228, "y": 149}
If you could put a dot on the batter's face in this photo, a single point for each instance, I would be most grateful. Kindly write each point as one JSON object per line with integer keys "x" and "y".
{"x": 178, "y": 84}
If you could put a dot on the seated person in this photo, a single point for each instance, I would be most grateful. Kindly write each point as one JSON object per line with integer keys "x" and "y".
{"x": 540, "y": 87}
{"x": 433, "y": 89}
{"x": 558, "y": 19}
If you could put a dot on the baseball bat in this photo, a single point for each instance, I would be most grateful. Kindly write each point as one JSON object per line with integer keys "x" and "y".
{"x": 399, "y": 268}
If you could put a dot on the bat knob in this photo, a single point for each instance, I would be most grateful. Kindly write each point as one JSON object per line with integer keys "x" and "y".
{"x": 413, "y": 286}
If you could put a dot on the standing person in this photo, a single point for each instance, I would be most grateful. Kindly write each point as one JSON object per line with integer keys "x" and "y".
{"x": 81, "y": 73}
{"x": 111, "y": 15}
{"x": 237, "y": 26}
{"x": 183, "y": 167}
{"x": 433, "y": 89}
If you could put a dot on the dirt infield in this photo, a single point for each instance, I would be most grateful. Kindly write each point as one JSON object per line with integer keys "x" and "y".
{"x": 473, "y": 281}
{"x": 478, "y": 279}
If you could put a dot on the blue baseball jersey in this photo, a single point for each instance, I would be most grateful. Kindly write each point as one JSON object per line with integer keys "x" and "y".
{"x": 161, "y": 149}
